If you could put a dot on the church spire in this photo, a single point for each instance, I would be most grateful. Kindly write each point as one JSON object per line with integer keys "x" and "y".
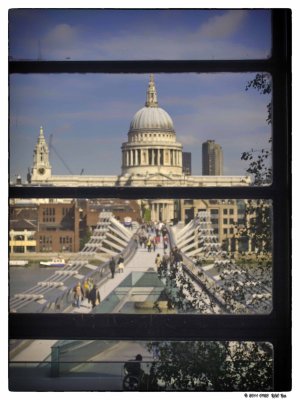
{"x": 41, "y": 169}
{"x": 41, "y": 136}
{"x": 151, "y": 100}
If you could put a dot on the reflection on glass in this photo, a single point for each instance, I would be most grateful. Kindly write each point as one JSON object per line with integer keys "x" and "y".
{"x": 185, "y": 130}
{"x": 47, "y": 34}
{"x": 142, "y": 366}
{"x": 141, "y": 256}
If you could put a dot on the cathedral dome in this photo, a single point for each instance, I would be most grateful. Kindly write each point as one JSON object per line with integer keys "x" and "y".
{"x": 151, "y": 147}
{"x": 151, "y": 118}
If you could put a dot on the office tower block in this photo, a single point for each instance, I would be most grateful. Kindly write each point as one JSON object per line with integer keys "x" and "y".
{"x": 212, "y": 158}
{"x": 187, "y": 163}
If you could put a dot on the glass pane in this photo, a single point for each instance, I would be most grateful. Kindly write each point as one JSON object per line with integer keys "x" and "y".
{"x": 44, "y": 365}
{"x": 141, "y": 130}
{"x": 45, "y": 34}
{"x": 141, "y": 256}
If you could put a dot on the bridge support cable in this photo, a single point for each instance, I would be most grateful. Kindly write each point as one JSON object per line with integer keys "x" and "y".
{"x": 223, "y": 278}
{"x": 109, "y": 238}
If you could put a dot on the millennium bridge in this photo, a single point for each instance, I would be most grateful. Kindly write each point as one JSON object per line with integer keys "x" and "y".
{"x": 207, "y": 280}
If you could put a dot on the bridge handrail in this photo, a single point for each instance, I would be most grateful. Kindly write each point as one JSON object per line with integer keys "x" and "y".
{"x": 186, "y": 262}
{"x": 221, "y": 304}
{"x": 102, "y": 273}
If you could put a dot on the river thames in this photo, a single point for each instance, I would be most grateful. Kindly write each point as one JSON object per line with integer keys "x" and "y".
{"x": 23, "y": 278}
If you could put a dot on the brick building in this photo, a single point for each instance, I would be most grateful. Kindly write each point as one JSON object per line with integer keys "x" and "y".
{"x": 58, "y": 227}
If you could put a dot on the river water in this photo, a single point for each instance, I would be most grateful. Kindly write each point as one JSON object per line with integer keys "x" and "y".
{"x": 23, "y": 278}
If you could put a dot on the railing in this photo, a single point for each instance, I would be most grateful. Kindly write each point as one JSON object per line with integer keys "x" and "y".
{"x": 187, "y": 267}
{"x": 90, "y": 375}
{"x": 99, "y": 276}
{"x": 82, "y": 375}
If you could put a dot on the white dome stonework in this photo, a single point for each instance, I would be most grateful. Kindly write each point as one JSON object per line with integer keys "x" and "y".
{"x": 151, "y": 147}
{"x": 151, "y": 118}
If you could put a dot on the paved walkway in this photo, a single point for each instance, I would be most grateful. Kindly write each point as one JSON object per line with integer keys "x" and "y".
{"x": 142, "y": 261}
{"x": 104, "y": 371}
{"x": 39, "y": 350}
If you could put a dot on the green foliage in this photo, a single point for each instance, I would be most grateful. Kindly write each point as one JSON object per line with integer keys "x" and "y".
{"x": 258, "y": 214}
{"x": 85, "y": 239}
{"x": 218, "y": 366}
{"x": 260, "y": 160}
{"x": 263, "y": 84}
{"x": 259, "y": 166}
{"x": 147, "y": 215}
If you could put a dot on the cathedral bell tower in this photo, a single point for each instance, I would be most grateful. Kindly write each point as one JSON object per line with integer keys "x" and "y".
{"x": 41, "y": 169}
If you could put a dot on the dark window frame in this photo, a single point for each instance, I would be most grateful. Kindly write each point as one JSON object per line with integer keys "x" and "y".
{"x": 275, "y": 327}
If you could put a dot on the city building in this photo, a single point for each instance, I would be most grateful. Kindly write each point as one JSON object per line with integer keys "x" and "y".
{"x": 123, "y": 210}
{"x": 44, "y": 227}
{"x": 212, "y": 158}
{"x": 58, "y": 227}
{"x": 62, "y": 225}
{"x": 223, "y": 214}
{"x": 23, "y": 223}
{"x": 151, "y": 156}
{"x": 226, "y": 218}
{"x": 187, "y": 163}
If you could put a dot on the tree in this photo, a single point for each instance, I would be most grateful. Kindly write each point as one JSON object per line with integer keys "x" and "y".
{"x": 258, "y": 214}
{"x": 212, "y": 366}
{"x": 85, "y": 238}
{"x": 260, "y": 160}
{"x": 147, "y": 215}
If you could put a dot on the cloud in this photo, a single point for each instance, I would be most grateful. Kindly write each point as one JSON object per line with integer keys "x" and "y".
{"x": 223, "y": 26}
{"x": 172, "y": 46}
{"x": 62, "y": 41}
{"x": 62, "y": 34}
{"x": 209, "y": 40}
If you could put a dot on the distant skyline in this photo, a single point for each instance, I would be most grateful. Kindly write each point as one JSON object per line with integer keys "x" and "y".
{"x": 89, "y": 114}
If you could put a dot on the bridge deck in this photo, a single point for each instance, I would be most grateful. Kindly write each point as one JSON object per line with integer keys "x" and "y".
{"x": 142, "y": 261}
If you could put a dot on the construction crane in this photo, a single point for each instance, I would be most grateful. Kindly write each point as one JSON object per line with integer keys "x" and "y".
{"x": 52, "y": 148}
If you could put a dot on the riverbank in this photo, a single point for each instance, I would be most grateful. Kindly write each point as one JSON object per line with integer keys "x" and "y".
{"x": 37, "y": 257}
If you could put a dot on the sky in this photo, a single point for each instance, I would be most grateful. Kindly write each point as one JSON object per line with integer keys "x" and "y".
{"x": 29, "y": 132}
{"x": 138, "y": 34}
{"x": 88, "y": 115}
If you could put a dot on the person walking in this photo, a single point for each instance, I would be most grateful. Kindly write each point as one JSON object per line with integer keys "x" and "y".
{"x": 158, "y": 261}
{"x": 165, "y": 261}
{"x": 112, "y": 267}
{"x": 86, "y": 289}
{"x": 149, "y": 245}
{"x": 78, "y": 295}
{"x": 177, "y": 257}
{"x": 121, "y": 264}
{"x": 94, "y": 296}
{"x": 153, "y": 242}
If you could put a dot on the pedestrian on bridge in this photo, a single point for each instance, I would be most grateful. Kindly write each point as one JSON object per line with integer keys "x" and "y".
{"x": 149, "y": 245}
{"x": 94, "y": 296}
{"x": 86, "y": 288}
{"x": 176, "y": 256}
{"x": 158, "y": 261}
{"x": 121, "y": 264}
{"x": 112, "y": 267}
{"x": 153, "y": 243}
{"x": 78, "y": 295}
{"x": 165, "y": 260}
